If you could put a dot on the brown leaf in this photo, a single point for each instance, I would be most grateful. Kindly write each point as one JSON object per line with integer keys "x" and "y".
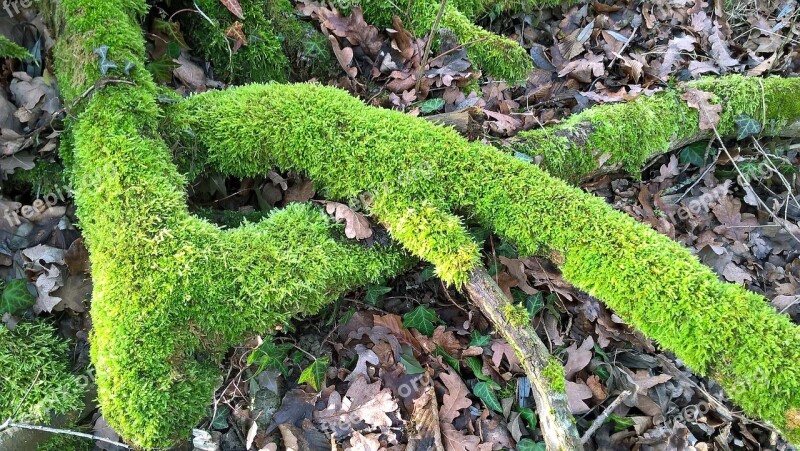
{"x": 734, "y": 224}
{"x": 236, "y": 33}
{"x": 456, "y": 440}
{"x": 578, "y": 358}
{"x": 234, "y": 7}
{"x": 77, "y": 258}
{"x": 302, "y": 191}
{"x": 701, "y": 101}
{"x": 599, "y": 392}
{"x": 343, "y": 55}
{"x": 456, "y": 397}
{"x": 501, "y": 348}
{"x": 576, "y": 393}
{"x": 356, "y": 225}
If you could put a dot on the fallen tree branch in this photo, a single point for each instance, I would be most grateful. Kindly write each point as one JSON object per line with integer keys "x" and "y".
{"x": 33, "y": 427}
{"x": 543, "y": 370}
{"x": 602, "y": 417}
{"x": 612, "y": 137}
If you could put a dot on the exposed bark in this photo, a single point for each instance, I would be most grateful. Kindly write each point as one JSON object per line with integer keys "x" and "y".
{"x": 555, "y": 417}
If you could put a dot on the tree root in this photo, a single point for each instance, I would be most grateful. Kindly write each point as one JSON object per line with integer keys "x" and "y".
{"x": 608, "y": 138}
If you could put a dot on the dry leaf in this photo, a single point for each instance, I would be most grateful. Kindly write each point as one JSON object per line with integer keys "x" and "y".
{"x": 234, "y": 7}
{"x": 356, "y": 225}
{"x": 701, "y": 101}
{"x": 456, "y": 397}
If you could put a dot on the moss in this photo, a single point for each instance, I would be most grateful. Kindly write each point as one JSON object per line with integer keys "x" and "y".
{"x": 36, "y": 378}
{"x": 496, "y": 55}
{"x": 45, "y": 177}
{"x": 9, "y": 49}
{"x": 516, "y": 314}
{"x": 554, "y": 372}
{"x": 278, "y": 42}
{"x": 653, "y": 283}
{"x": 173, "y": 292}
{"x": 631, "y": 133}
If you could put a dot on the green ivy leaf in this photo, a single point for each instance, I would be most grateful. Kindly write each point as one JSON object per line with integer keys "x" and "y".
{"x": 431, "y": 105}
{"x": 746, "y": 126}
{"x": 695, "y": 154}
{"x": 620, "y": 423}
{"x": 375, "y": 294}
{"x": 483, "y": 391}
{"x": 450, "y": 360}
{"x": 162, "y": 68}
{"x": 16, "y": 297}
{"x": 527, "y": 444}
{"x": 410, "y": 362}
{"x": 530, "y": 418}
{"x": 423, "y": 319}
{"x": 220, "y": 420}
{"x": 315, "y": 374}
{"x": 478, "y": 339}
{"x": 270, "y": 355}
{"x": 476, "y": 366}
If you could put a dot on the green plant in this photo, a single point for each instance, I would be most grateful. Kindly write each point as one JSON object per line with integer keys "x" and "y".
{"x": 36, "y": 380}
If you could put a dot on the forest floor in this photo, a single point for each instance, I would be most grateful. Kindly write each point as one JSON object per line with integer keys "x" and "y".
{"x": 368, "y": 399}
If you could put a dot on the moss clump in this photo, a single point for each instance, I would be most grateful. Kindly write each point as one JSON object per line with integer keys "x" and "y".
{"x": 45, "y": 177}
{"x": 554, "y": 372}
{"x": 10, "y": 49}
{"x": 516, "y": 315}
{"x": 36, "y": 380}
{"x": 631, "y": 133}
{"x": 273, "y": 32}
{"x": 653, "y": 283}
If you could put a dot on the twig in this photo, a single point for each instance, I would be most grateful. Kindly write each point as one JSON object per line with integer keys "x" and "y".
{"x": 602, "y": 418}
{"x": 10, "y": 424}
{"x": 434, "y": 27}
{"x": 555, "y": 417}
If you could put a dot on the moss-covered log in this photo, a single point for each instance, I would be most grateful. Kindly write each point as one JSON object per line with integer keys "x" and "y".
{"x": 419, "y": 174}
{"x": 626, "y": 135}
{"x": 172, "y": 292}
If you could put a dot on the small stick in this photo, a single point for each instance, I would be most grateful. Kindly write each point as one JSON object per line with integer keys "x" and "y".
{"x": 428, "y": 45}
{"x": 9, "y": 424}
{"x": 602, "y": 418}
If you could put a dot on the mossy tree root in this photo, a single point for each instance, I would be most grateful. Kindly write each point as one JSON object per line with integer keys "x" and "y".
{"x": 419, "y": 174}
{"x": 172, "y": 292}
{"x": 626, "y": 135}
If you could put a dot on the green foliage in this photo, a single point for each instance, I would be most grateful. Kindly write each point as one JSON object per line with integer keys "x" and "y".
{"x": 516, "y": 314}
{"x": 423, "y": 319}
{"x": 315, "y": 374}
{"x": 15, "y": 296}
{"x": 375, "y": 293}
{"x": 410, "y": 362}
{"x": 620, "y": 423}
{"x": 276, "y": 39}
{"x": 269, "y": 355}
{"x": 476, "y": 365}
{"x": 36, "y": 380}
{"x": 697, "y": 154}
{"x": 485, "y": 392}
{"x": 631, "y": 133}
{"x": 46, "y": 177}
{"x": 746, "y": 126}
{"x": 554, "y": 372}
{"x": 478, "y": 339}
{"x": 527, "y": 444}
{"x": 530, "y": 417}
{"x": 9, "y": 49}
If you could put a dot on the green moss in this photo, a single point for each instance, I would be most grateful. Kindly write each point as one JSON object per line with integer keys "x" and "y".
{"x": 554, "y": 372}
{"x": 653, "y": 283}
{"x": 172, "y": 292}
{"x": 36, "y": 380}
{"x": 633, "y": 132}
{"x": 496, "y": 55}
{"x": 516, "y": 315}
{"x": 45, "y": 177}
{"x": 9, "y": 49}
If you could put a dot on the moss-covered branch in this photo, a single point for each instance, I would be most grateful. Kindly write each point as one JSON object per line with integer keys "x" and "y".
{"x": 653, "y": 283}
{"x": 172, "y": 292}
{"x": 10, "y": 49}
{"x": 626, "y": 135}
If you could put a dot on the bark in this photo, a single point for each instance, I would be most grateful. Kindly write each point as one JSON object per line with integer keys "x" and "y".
{"x": 558, "y": 425}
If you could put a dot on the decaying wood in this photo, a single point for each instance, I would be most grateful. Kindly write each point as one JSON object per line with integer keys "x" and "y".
{"x": 555, "y": 417}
